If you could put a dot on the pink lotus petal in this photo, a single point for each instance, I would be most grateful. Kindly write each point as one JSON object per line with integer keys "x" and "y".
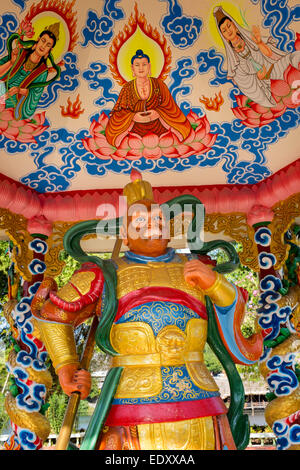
{"x": 190, "y": 138}
{"x": 100, "y": 140}
{"x": 93, "y": 126}
{"x": 252, "y": 123}
{"x": 166, "y": 139}
{"x": 102, "y": 153}
{"x": 105, "y": 151}
{"x": 291, "y": 101}
{"x": 209, "y": 139}
{"x": 251, "y": 114}
{"x": 119, "y": 154}
{"x": 152, "y": 153}
{"x": 267, "y": 115}
{"x": 279, "y": 109}
{"x": 9, "y": 135}
{"x": 89, "y": 144}
{"x": 259, "y": 109}
{"x": 241, "y": 100}
{"x": 183, "y": 150}
{"x": 39, "y": 130}
{"x": 3, "y": 125}
{"x": 28, "y": 128}
{"x": 238, "y": 112}
{"x": 38, "y": 118}
{"x": 150, "y": 140}
{"x": 25, "y": 138}
{"x": 192, "y": 117}
{"x": 103, "y": 120}
{"x": 7, "y": 114}
{"x": 198, "y": 147}
{"x": 16, "y": 123}
{"x": 135, "y": 142}
{"x": 12, "y": 131}
{"x": 291, "y": 75}
{"x": 280, "y": 88}
{"x": 170, "y": 152}
{"x": 124, "y": 144}
{"x": 133, "y": 154}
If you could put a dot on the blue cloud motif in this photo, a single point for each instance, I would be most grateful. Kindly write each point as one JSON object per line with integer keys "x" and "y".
{"x": 48, "y": 178}
{"x": 231, "y": 137}
{"x": 182, "y": 30}
{"x": 20, "y": 3}
{"x": 184, "y": 71}
{"x": 9, "y": 24}
{"x": 27, "y": 439}
{"x": 67, "y": 81}
{"x": 210, "y": 59}
{"x": 97, "y": 80}
{"x": 278, "y": 16}
{"x": 100, "y": 30}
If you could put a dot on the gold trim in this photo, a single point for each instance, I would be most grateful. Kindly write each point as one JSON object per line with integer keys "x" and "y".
{"x": 222, "y": 293}
{"x": 235, "y": 225}
{"x": 285, "y": 213}
{"x": 15, "y": 226}
{"x": 59, "y": 341}
{"x": 54, "y": 265}
{"x": 193, "y": 434}
{"x": 34, "y": 421}
{"x": 137, "y": 360}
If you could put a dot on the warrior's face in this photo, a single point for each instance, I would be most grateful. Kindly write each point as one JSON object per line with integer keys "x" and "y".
{"x": 141, "y": 67}
{"x": 147, "y": 230}
{"x": 44, "y": 45}
{"x": 228, "y": 30}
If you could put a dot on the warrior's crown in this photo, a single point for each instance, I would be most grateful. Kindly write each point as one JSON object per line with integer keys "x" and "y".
{"x": 138, "y": 189}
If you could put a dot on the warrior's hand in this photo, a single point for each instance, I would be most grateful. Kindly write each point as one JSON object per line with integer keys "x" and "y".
{"x": 198, "y": 274}
{"x": 73, "y": 379}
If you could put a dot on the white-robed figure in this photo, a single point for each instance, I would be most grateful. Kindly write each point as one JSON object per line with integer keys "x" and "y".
{"x": 252, "y": 62}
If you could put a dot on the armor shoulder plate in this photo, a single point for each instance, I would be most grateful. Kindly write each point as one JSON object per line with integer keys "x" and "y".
{"x": 84, "y": 288}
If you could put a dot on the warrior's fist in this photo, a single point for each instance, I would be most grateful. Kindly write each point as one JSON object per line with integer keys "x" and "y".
{"x": 198, "y": 274}
{"x": 73, "y": 379}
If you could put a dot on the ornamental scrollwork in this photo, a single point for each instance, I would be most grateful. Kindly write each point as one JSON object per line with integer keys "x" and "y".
{"x": 285, "y": 213}
{"x": 15, "y": 226}
{"x": 235, "y": 226}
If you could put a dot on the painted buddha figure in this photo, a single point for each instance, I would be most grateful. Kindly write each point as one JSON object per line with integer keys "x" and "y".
{"x": 24, "y": 72}
{"x": 145, "y": 105}
{"x": 252, "y": 60}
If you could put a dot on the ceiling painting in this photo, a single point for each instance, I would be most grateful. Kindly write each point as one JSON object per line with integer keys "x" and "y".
{"x": 189, "y": 93}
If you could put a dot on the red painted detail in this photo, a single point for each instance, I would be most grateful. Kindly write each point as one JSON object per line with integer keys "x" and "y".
{"x": 128, "y": 415}
{"x": 87, "y": 299}
{"x": 159, "y": 294}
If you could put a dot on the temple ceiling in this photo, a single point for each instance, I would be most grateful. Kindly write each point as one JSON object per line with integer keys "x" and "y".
{"x": 217, "y": 105}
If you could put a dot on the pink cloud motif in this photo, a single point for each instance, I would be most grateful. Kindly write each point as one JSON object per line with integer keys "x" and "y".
{"x": 23, "y": 130}
{"x": 151, "y": 146}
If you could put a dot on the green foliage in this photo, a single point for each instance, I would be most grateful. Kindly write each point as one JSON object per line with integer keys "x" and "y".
{"x": 211, "y": 361}
{"x": 58, "y": 402}
{"x": 70, "y": 266}
{"x": 3, "y": 375}
{"x": 4, "y": 266}
{"x": 3, "y": 415}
